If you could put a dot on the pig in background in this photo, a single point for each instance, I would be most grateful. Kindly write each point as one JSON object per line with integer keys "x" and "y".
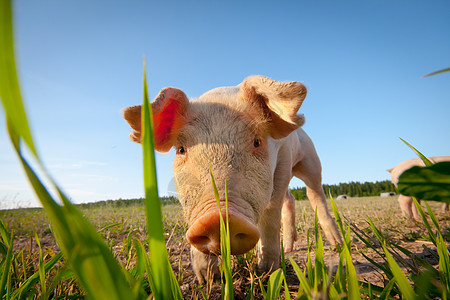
{"x": 406, "y": 202}
{"x": 249, "y": 136}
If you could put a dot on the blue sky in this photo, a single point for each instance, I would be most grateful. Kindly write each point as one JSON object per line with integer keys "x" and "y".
{"x": 80, "y": 63}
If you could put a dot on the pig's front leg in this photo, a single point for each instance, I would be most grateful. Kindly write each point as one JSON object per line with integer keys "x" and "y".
{"x": 269, "y": 243}
{"x": 206, "y": 266}
{"x": 316, "y": 197}
{"x": 288, "y": 218}
{"x": 310, "y": 171}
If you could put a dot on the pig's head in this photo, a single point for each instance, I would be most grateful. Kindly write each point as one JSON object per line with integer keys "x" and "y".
{"x": 226, "y": 131}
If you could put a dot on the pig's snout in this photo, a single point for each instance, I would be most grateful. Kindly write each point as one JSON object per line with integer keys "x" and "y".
{"x": 204, "y": 234}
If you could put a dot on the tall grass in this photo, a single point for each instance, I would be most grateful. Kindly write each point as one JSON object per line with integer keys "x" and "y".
{"x": 9, "y": 85}
{"x": 97, "y": 270}
{"x": 84, "y": 249}
{"x": 164, "y": 283}
{"x": 225, "y": 247}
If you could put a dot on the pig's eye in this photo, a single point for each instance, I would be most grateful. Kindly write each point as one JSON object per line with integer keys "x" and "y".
{"x": 181, "y": 150}
{"x": 256, "y": 143}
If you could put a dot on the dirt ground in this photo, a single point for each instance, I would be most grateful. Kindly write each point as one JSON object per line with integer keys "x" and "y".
{"x": 384, "y": 213}
{"x": 366, "y": 271}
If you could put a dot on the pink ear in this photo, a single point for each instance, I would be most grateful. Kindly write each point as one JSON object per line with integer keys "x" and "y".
{"x": 168, "y": 117}
{"x": 132, "y": 115}
{"x": 280, "y": 101}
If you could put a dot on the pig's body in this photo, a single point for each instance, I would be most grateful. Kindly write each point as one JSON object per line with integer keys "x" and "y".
{"x": 294, "y": 155}
{"x": 406, "y": 202}
{"x": 250, "y": 137}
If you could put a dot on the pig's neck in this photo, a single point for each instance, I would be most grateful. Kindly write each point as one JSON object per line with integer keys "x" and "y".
{"x": 285, "y": 152}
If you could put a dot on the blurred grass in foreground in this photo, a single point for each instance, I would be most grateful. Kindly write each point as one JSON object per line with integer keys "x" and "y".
{"x": 89, "y": 257}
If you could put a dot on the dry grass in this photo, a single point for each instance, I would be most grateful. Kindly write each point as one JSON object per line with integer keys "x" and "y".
{"x": 129, "y": 222}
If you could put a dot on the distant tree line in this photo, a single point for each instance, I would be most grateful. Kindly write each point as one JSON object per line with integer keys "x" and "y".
{"x": 352, "y": 189}
{"x": 126, "y": 202}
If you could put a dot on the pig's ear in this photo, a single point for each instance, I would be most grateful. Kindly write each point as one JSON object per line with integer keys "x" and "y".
{"x": 132, "y": 115}
{"x": 280, "y": 102}
{"x": 168, "y": 117}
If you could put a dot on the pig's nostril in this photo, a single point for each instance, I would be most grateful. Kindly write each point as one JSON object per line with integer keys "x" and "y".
{"x": 200, "y": 240}
{"x": 242, "y": 242}
{"x": 241, "y": 236}
{"x": 204, "y": 243}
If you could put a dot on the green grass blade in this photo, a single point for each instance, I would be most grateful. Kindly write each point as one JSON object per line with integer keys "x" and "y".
{"x": 337, "y": 216}
{"x": 422, "y": 157}
{"x": 431, "y": 234}
{"x": 423, "y": 263}
{"x": 3, "y": 249}
{"x": 7, "y": 261}
{"x": 400, "y": 278}
{"x": 377, "y": 233}
{"x": 287, "y": 296}
{"x": 423, "y": 285}
{"x": 437, "y": 72}
{"x": 380, "y": 266}
{"x": 310, "y": 269}
{"x": 62, "y": 274}
{"x": 352, "y": 279}
{"x": 225, "y": 246}
{"x": 159, "y": 259}
{"x": 175, "y": 286}
{"x": 427, "y": 183}
{"x": 441, "y": 247}
{"x": 41, "y": 268}
{"x": 30, "y": 281}
{"x": 108, "y": 226}
{"x": 340, "y": 278}
{"x": 444, "y": 262}
{"x": 141, "y": 259}
{"x": 90, "y": 256}
{"x": 144, "y": 262}
{"x": 319, "y": 260}
{"x": 352, "y": 288}
{"x": 226, "y": 250}
{"x": 304, "y": 284}
{"x": 387, "y": 289}
{"x": 203, "y": 294}
{"x": 332, "y": 292}
{"x": 274, "y": 284}
{"x": 216, "y": 192}
{"x": 5, "y": 237}
{"x": 367, "y": 243}
{"x": 370, "y": 291}
{"x": 263, "y": 290}
{"x": 84, "y": 249}
{"x": 9, "y": 85}
{"x": 433, "y": 217}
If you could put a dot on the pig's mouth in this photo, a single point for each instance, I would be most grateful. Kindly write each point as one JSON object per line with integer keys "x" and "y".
{"x": 204, "y": 234}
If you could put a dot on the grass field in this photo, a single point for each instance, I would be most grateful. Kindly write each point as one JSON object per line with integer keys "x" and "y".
{"x": 118, "y": 226}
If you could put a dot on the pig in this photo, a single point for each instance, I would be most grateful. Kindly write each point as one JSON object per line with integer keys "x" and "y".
{"x": 406, "y": 202}
{"x": 250, "y": 137}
